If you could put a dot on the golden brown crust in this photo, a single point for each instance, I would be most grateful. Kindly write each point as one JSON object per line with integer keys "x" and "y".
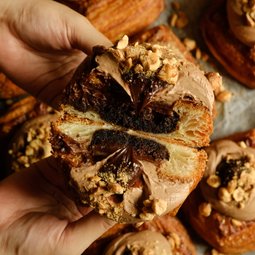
{"x": 169, "y": 226}
{"x": 229, "y": 51}
{"x": 226, "y": 234}
{"x": 117, "y": 18}
{"x": 8, "y": 89}
{"x": 19, "y": 112}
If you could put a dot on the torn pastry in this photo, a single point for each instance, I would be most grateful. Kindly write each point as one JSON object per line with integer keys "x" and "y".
{"x": 228, "y": 28}
{"x": 131, "y": 121}
{"x": 225, "y": 199}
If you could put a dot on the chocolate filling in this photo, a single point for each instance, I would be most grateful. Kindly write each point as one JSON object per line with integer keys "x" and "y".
{"x": 58, "y": 143}
{"x": 230, "y": 167}
{"x": 102, "y": 94}
{"x": 124, "y": 165}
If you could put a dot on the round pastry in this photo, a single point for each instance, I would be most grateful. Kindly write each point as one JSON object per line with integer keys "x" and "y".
{"x": 164, "y": 235}
{"x": 224, "y": 202}
{"x": 228, "y": 28}
{"x": 131, "y": 123}
{"x": 24, "y": 109}
{"x": 30, "y": 143}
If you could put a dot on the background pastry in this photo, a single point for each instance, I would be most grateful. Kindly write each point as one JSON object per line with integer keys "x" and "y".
{"x": 162, "y": 34}
{"x": 8, "y": 89}
{"x": 228, "y": 30}
{"x": 130, "y": 124}
{"x": 30, "y": 143}
{"x": 224, "y": 202}
{"x": 166, "y": 234}
{"x": 115, "y": 18}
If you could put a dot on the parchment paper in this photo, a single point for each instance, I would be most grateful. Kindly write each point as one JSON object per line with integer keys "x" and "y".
{"x": 237, "y": 114}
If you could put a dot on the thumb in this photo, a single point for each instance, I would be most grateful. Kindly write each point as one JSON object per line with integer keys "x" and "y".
{"x": 81, "y": 33}
{"x": 85, "y": 36}
{"x": 79, "y": 235}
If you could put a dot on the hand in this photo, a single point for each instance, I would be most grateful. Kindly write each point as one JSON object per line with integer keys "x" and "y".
{"x": 38, "y": 217}
{"x": 42, "y": 43}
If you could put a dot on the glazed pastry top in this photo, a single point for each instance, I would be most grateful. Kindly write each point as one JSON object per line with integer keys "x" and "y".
{"x": 241, "y": 18}
{"x": 229, "y": 180}
{"x": 144, "y": 242}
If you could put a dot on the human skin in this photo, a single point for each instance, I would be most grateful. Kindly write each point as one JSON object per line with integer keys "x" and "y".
{"x": 38, "y": 216}
{"x": 42, "y": 43}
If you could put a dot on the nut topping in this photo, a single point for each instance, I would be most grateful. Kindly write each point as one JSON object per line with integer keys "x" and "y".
{"x": 234, "y": 179}
{"x": 159, "y": 206}
{"x": 224, "y": 96}
{"x": 242, "y": 144}
{"x": 150, "y": 61}
{"x": 224, "y": 195}
{"x": 237, "y": 223}
{"x": 205, "y": 209}
{"x": 189, "y": 44}
{"x": 174, "y": 240}
{"x": 216, "y": 81}
{"x": 169, "y": 73}
{"x": 248, "y": 9}
{"x": 123, "y": 43}
{"x": 138, "y": 68}
{"x": 213, "y": 181}
{"x": 238, "y": 194}
{"x": 147, "y": 216}
{"x": 231, "y": 186}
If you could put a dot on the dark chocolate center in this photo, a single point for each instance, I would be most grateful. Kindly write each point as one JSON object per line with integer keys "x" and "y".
{"x": 228, "y": 168}
{"x": 128, "y": 150}
{"x": 103, "y": 95}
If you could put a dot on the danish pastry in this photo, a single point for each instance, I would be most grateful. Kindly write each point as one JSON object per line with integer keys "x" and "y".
{"x": 163, "y": 235}
{"x": 115, "y": 18}
{"x": 30, "y": 143}
{"x": 133, "y": 119}
{"x": 224, "y": 201}
{"x": 228, "y": 30}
